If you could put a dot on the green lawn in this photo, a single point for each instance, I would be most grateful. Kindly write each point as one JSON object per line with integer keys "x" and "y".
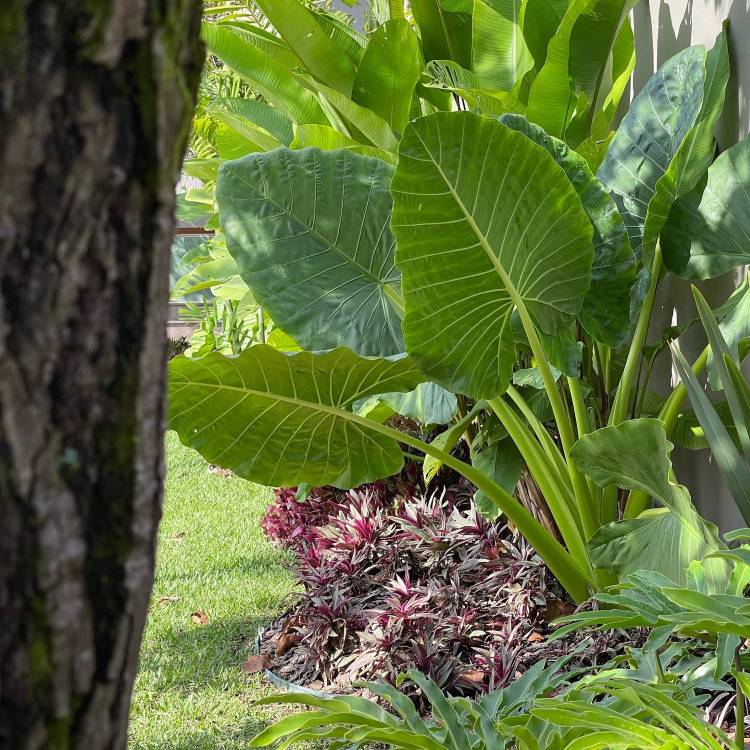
{"x": 213, "y": 558}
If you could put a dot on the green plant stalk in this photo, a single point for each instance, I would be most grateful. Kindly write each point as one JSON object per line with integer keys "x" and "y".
{"x": 638, "y": 501}
{"x": 584, "y": 501}
{"x": 261, "y": 325}
{"x": 579, "y": 407}
{"x": 629, "y": 373}
{"x": 548, "y": 444}
{"x": 739, "y": 705}
{"x": 548, "y": 481}
{"x": 562, "y": 564}
{"x": 583, "y": 426}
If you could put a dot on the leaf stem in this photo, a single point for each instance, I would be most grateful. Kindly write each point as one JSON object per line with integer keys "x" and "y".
{"x": 625, "y": 386}
{"x": 548, "y": 481}
{"x": 739, "y": 705}
{"x": 564, "y": 567}
{"x": 632, "y": 365}
{"x": 583, "y": 425}
{"x": 584, "y": 500}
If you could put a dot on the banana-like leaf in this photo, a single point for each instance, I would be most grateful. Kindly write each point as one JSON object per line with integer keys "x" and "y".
{"x": 498, "y": 49}
{"x": 475, "y": 90}
{"x": 472, "y": 246}
{"x": 204, "y": 276}
{"x": 272, "y": 45}
{"x": 260, "y": 139}
{"x": 310, "y": 233}
{"x": 232, "y": 145}
{"x": 635, "y": 455}
{"x": 445, "y": 29}
{"x": 605, "y": 313}
{"x": 299, "y": 28}
{"x": 343, "y": 35}
{"x": 600, "y": 42}
{"x": 541, "y": 20}
{"x": 622, "y": 63}
{"x": 235, "y": 47}
{"x": 328, "y": 139}
{"x": 665, "y": 141}
{"x": 577, "y": 60}
{"x": 206, "y": 170}
{"x": 708, "y": 232}
{"x": 368, "y": 125}
{"x": 281, "y": 419}
{"x": 271, "y": 120}
{"x": 389, "y": 72}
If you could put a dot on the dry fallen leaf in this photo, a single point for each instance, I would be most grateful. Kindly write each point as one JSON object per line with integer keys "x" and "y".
{"x": 199, "y": 617}
{"x": 535, "y": 637}
{"x": 473, "y": 676}
{"x": 256, "y": 663}
{"x": 557, "y": 608}
{"x": 285, "y": 642}
{"x": 178, "y": 537}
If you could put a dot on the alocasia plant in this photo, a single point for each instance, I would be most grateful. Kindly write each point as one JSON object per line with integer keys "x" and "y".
{"x": 492, "y": 261}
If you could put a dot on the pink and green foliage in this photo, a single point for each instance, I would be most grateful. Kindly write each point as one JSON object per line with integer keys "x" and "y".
{"x": 396, "y": 580}
{"x": 291, "y": 521}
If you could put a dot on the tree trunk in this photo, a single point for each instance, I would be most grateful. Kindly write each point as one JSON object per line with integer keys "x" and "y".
{"x": 95, "y": 104}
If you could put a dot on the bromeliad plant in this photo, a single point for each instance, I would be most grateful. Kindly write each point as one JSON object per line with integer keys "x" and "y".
{"x": 491, "y": 262}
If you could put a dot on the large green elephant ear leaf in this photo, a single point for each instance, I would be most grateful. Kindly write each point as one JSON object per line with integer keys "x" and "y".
{"x": 708, "y": 232}
{"x": 605, "y": 312}
{"x": 485, "y": 222}
{"x": 281, "y": 419}
{"x": 635, "y": 455}
{"x": 665, "y": 141}
{"x": 310, "y": 233}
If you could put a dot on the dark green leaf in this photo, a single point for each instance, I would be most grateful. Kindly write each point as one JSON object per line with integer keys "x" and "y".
{"x": 289, "y": 220}
{"x": 605, "y": 313}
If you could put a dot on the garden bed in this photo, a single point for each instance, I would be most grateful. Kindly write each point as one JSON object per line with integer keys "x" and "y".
{"x": 396, "y": 577}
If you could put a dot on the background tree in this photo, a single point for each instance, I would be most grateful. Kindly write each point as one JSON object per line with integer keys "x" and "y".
{"x": 95, "y": 104}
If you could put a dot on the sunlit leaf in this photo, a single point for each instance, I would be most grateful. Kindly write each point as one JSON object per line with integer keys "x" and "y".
{"x": 285, "y": 419}
{"x": 471, "y": 246}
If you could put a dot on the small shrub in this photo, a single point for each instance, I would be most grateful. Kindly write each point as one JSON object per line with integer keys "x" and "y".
{"x": 394, "y": 580}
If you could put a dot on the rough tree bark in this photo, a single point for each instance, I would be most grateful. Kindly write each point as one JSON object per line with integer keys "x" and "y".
{"x": 95, "y": 103}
